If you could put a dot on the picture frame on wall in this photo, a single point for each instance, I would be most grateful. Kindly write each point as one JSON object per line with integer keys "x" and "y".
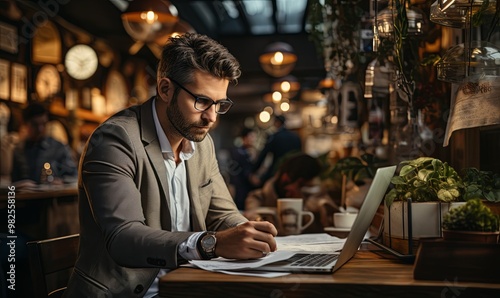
{"x": 8, "y": 38}
{"x": 4, "y": 79}
{"x": 19, "y": 83}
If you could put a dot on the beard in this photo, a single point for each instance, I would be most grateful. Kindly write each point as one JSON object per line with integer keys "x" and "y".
{"x": 190, "y": 131}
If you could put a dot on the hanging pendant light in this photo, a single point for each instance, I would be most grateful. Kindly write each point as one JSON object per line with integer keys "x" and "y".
{"x": 278, "y": 59}
{"x": 147, "y": 20}
{"x": 385, "y": 21}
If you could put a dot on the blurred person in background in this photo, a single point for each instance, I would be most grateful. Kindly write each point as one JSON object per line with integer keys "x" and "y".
{"x": 39, "y": 158}
{"x": 241, "y": 166}
{"x": 297, "y": 177}
{"x": 279, "y": 144}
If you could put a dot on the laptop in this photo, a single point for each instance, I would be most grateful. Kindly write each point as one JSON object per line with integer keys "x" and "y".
{"x": 331, "y": 262}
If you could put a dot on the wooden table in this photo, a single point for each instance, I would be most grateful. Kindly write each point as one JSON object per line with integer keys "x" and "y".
{"x": 370, "y": 273}
{"x": 40, "y": 192}
{"x": 43, "y": 212}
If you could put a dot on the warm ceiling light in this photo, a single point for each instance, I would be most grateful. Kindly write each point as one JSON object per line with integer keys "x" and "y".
{"x": 147, "y": 20}
{"x": 385, "y": 20}
{"x": 278, "y": 59}
{"x": 287, "y": 84}
{"x": 264, "y": 116}
{"x": 277, "y": 96}
{"x": 285, "y": 106}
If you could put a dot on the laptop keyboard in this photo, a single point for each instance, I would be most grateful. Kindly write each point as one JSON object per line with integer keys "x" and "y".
{"x": 313, "y": 259}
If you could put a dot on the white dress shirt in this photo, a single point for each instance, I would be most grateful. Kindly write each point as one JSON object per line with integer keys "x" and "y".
{"x": 178, "y": 198}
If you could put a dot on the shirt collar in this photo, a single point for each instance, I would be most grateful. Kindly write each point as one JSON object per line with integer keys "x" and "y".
{"x": 188, "y": 147}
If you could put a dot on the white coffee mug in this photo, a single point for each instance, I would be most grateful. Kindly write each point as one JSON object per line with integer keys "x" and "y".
{"x": 344, "y": 220}
{"x": 290, "y": 213}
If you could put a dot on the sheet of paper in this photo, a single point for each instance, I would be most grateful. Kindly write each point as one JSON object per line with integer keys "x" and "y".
{"x": 321, "y": 242}
{"x": 231, "y": 264}
{"x": 287, "y": 247}
{"x": 476, "y": 104}
{"x": 256, "y": 273}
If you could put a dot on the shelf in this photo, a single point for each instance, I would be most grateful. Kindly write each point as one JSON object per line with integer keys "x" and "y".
{"x": 86, "y": 115}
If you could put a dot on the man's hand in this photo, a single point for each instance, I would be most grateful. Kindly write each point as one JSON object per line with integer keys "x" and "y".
{"x": 250, "y": 240}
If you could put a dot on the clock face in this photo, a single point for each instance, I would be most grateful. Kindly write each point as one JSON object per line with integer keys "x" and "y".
{"x": 81, "y": 62}
{"x": 116, "y": 92}
{"x": 48, "y": 82}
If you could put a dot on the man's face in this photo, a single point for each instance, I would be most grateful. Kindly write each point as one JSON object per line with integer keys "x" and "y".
{"x": 36, "y": 127}
{"x": 188, "y": 121}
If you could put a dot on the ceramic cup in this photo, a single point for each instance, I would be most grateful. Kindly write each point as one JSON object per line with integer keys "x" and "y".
{"x": 290, "y": 215}
{"x": 344, "y": 220}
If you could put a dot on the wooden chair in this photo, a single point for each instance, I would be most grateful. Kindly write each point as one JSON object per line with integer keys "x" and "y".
{"x": 51, "y": 262}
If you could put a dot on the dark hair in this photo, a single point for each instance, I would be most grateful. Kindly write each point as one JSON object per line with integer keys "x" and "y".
{"x": 33, "y": 110}
{"x": 245, "y": 131}
{"x": 280, "y": 118}
{"x": 299, "y": 166}
{"x": 184, "y": 54}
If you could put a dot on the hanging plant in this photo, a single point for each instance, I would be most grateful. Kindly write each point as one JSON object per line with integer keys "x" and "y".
{"x": 335, "y": 31}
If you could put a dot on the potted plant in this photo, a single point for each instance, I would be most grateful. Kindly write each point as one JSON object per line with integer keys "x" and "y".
{"x": 355, "y": 172}
{"x": 423, "y": 192}
{"x": 484, "y": 185}
{"x": 473, "y": 221}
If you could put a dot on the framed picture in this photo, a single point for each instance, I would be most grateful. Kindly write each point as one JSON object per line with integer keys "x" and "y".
{"x": 4, "y": 79}
{"x": 19, "y": 83}
{"x": 8, "y": 38}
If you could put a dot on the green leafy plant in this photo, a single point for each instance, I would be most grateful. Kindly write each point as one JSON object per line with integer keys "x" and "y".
{"x": 481, "y": 184}
{"x": 334, "y": 30}
{"x": 425, "y": 179}
{"x": 355, "y": 168}
{"x": 473, "y": 216}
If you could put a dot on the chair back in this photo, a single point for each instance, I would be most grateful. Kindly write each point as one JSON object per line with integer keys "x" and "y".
{"x": 51, "y": 263}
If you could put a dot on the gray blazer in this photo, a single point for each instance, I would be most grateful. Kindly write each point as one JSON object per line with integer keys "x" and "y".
{"x": 124, "y": 214}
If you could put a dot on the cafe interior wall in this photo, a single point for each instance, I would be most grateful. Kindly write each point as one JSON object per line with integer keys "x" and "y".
{"x": 470, "y": 147}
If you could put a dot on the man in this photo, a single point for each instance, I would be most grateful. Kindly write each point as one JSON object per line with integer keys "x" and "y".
{"x": 297, "y": 177}
{"x": 150, "y": 185}
{"x": 240, "y": 168}
{"x": 40, "y": 158}
{"x": 279, "y": 144}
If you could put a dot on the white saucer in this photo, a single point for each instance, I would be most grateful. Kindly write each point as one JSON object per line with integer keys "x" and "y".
{"x": 334, "y": 229}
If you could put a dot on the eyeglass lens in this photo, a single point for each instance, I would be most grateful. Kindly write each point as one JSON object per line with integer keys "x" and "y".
{"x": 204, "y": 103}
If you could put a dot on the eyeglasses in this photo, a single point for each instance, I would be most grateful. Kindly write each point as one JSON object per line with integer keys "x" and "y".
{"x": 202, "y": 103}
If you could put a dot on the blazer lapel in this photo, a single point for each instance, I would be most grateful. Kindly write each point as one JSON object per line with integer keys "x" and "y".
{"x": 197, "y": 217}
{"x": 153, "y": 150}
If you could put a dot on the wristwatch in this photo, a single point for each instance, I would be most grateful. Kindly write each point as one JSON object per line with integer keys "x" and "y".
{"x": 206, "y": 245}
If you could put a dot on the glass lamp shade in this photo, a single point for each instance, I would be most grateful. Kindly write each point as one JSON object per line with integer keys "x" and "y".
{"x": 179, "y": 28}
{"x": 147, "y": 20}
{"x": 278, "y": 59}
{"x": 385, "y": 21}
{"x": 457, "y": 15}
{"x": 461, "y": 61}
{"x": 378, "y": 76}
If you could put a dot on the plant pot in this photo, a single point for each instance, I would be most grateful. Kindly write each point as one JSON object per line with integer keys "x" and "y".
{"x": 426, "y": 219}
{"x": 471, "y": 236}
{"x": 494, "y": 206}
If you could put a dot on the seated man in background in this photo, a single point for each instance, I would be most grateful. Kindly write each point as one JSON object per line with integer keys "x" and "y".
{"x": 40, "y": 158}
{"x": 297, "y": 177}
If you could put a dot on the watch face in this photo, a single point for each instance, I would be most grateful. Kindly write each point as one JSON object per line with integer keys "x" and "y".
{"x": 81, "y": 62}
{"x": 208, "y": 241}
{"x": 48, "y": 82}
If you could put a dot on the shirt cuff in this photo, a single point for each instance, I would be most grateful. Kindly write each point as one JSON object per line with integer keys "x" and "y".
{"x": 187, "y": 249}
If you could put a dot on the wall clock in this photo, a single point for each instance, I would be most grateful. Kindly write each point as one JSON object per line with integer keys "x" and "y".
{"x": 81, "y": 62}
{"x": 116, "y": 92}
{"x": 47, "y": 82}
